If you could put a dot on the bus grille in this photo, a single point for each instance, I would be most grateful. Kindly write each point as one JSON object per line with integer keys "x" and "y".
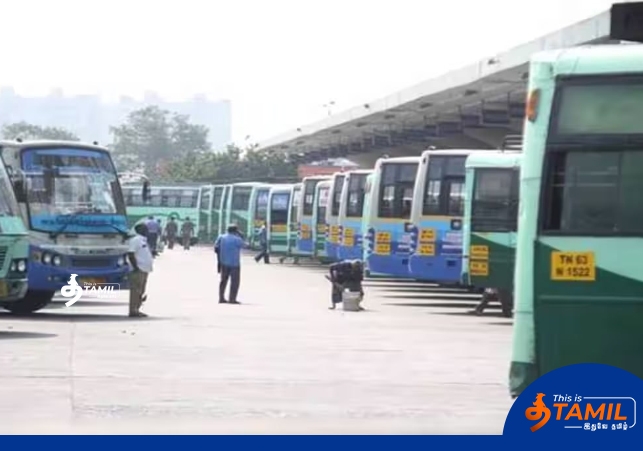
{"x": 91, "y": 262}
{"x": 3, "y": 255}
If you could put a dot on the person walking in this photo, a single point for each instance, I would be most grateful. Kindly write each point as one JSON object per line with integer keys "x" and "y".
{"x": 228, "y": 249}
{"x": 142, "y": 264}
{"x": 262, "y": 234}
{"x": 153, "y": 229}
{"x": 187, "y": 230}
{"x": 171, "y": 231}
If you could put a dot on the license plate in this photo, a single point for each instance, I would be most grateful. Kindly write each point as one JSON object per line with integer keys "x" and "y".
{"x": 91, "y": 281}
{"x": 4, "y": 289}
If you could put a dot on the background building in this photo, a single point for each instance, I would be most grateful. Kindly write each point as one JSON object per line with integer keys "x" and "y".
{"x": 90, "y": 118}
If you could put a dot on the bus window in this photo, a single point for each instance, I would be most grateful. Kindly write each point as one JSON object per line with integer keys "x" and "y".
{"x": 337, "y": 194}
{"x": 444, "y": 186}
{"x": 216, "y": 198}
{"x": 261, "y": 206}
{"x": 495, "y": 200}
{"x": 279, "y": 208}
{"x": 356, "y": 193}
{"x": 595, "y": 192}
{"x": 241, "y": 198}
{"x": 396, "y": 192}
{"x": 205, "y": 199}
{"x": 189, "y": 198}
{"x": 309, "y": 197}
{"x": 322, "y": 205}
{"x": 296, "y": 196}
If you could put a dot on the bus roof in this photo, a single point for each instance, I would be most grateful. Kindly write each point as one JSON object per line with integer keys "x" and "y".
{"x": 594, "y": 59}
{"x": 456, "y": 152}
{"x": 43, "y": 143}
{"x": 282, "y": 188}
{"x": 251, "y": 184}
{"x": 494, "y": 159}
{"x": 397, "y": 160}
{"x": 323, "y": 183}
{"x": 316, "y": 177}
{"x": 360, "y": 171}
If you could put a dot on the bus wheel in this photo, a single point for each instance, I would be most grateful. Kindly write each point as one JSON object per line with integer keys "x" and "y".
{"x": 33, "y": 301}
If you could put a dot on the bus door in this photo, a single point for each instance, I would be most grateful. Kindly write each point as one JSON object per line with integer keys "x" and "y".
{"x": 351, "y": 245}
{"x": 279, "y": 202}
{"x": 217, "y": 197}
{"x": 293, "y": 223}
{"x": 205, "y": 216}
{"x": 305, "y": 234}
{"x": 320, "y": 230}
{"x": 259, "y": 215}
{"x": 332, "y": 218}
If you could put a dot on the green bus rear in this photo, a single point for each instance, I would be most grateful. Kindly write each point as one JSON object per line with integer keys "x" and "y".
{"x": 278, "y": 219}
{"x": 239, "y": 208}
{"x": 579, "y": 283}
{"x": 491, "y": 219}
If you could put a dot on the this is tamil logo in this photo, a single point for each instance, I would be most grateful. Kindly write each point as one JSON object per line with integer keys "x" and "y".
{"x": 589, "y": 413}
{"x": 75, "y": 291}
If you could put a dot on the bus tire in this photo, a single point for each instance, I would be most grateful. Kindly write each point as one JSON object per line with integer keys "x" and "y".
{"x": 33, "y": 301}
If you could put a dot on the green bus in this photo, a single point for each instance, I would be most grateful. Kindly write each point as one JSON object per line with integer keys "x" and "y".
{"x": 14, "y": 246}
{"x": 180, "y": 202}
{"x": 206, "y": 197}
{"x": 278, "y": 219}
{"x": 490, "y": 222}
{"x": 578, "y": 259}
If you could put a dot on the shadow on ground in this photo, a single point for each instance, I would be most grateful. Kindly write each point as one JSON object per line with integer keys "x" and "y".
{"x": 22, "y": 335}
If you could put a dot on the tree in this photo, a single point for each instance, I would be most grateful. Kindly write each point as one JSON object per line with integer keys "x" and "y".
{"x": 28, "y": 131}
{"x": 152, "y": 137}
{"x": 235, "y": 164}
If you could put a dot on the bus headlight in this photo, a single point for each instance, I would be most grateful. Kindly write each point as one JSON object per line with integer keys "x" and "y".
{"x": 57, "y": 261}
{"x": 22, "y": 265}
{"x": 14, "y": 266}
{"x": 46, "y": 258}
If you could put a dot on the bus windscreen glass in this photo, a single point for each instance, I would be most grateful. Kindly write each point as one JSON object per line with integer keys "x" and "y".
{"x": 600, "y": 109}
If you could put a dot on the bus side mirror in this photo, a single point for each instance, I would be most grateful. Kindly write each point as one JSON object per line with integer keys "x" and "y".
{"x": 19, "y": 190}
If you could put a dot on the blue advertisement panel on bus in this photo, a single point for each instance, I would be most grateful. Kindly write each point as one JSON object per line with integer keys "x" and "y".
{"x": 389, "y": 234}
{"x": 436, "y": 233}
{"x": 73, "y": 192}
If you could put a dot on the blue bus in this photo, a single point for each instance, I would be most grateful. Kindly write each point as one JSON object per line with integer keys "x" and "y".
{"x": 351, "y": 212}
{"x": 71, "y": 202}
{"x": 437, "y": 217}
{"x": 305, "y": 224}
{"x": 388, "y": 239}
{"x": 332, "y": 216}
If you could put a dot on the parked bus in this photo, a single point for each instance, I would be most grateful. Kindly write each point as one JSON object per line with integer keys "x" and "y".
{"x": 239, "y": 209}
{"x": 217, "y": 226}
{"x": 351, "y": 214}
{"x": 391, "y": 199}
{"x": 14, "y": 245}
{"x": 306, "y": 209}
{"x": 438, "y": 207}
{"x": 259, "y": 213}
{"x": 332, "y": 216}
{"x": 178, "y": 202}
{"x": 71, "y": 201}
{"x": 320, "y": 228}
{"x": 490, "y": 222}
{"x": 578, "y": 259}
{"x": 278, "y": 219}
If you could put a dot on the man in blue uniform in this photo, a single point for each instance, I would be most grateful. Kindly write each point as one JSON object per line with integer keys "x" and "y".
{"x": 228, "y": 250}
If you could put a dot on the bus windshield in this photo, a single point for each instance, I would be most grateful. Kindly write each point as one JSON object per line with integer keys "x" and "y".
{"x": 494, "y": 207}
{"x": 71, "y": 181}
{"x": 261, "y": 207}
{"x": 309, "y": 197}
{"x": 337, "y": 194}
{"x": 396, "y": 191}
{"x": 356, "y": 193}
{"x": 322, "y": 205}
{"x": 444, "y": 186}
{"x": 241, "y": 197}
{"x": 279, "y": 208}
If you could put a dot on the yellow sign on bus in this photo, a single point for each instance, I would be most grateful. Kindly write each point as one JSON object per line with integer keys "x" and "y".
{"x": 573, "y": 266}
{"x": 478, "y": 268}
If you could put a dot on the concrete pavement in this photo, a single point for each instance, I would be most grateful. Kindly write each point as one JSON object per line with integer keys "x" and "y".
{"x": 415, "y": 362}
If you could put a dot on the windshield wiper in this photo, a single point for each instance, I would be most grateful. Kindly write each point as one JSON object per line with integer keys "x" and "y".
{"x": 123, "y": 233}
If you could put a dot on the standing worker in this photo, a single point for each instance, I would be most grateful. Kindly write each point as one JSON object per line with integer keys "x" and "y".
{"x": 228, "y": 249}
{"x": 142, "y": 263}
{"x": 187, "y": 229}
{"x": 153, "y": 229}
{"x": 171, "y": 231}
{"x": 263, "y": 243}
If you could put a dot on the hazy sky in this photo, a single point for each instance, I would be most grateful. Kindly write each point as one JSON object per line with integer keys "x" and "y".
{"x": 278, "y": 61}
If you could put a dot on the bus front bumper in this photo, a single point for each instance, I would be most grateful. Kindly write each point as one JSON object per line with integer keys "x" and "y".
{"x": 13, "y": 289}
{"x": 51, "y": 278}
